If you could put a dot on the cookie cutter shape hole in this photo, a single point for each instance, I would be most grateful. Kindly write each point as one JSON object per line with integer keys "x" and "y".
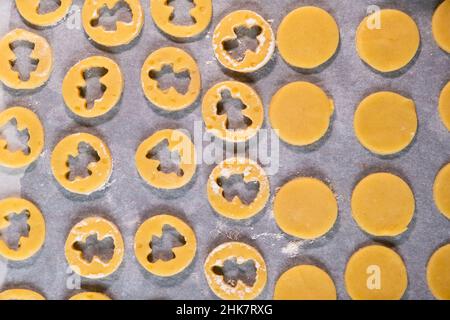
{"x": 23, "y": 63}
{"x": 18, "y": 228}
{"x": 43, "y": 13}
{"x": 93, "y": 247}
{"x": 79, "y": 165}
{"x": 16, "y": 140}
{"x": 235, "y": 186}
{"x": 233, "y": 272}
{"x": 246, "y": 40}
{"x": 161, "y": 247}
{"x": 168, "y": 161}
{"x": 167, "y": 79}
{"x": 108, "y": 18}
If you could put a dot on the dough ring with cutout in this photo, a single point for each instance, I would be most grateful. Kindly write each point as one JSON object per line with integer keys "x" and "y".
{"x": 20, "y": 294}
{"x": 27, "y": 245}
{"x": 305, "y": 282}
{"x": 181, "y": 63}
{"x": 150, "y": 168}
{"x": 182, "y": 255}
{"x": 383, "y": 205}
{"x": 26, "y": 120}
{"x": 235, "y": 289}
{"x": 102, "y": 229}
{"x": 227, "y": 31}
{"x": 236, "y": 208}
{"x": 444, "y": 106}
{"x": 438, "y": 277}
{"x": 441, "y": 25}
{"x": 305, "y": 208}
{"x": 217, "y": 123}
{"x": 386, "y": 122}
{"x": 441, "y": 191}
{"x": 124, "y": 32}
{"x": 376, "y": 272}
{"x": 90, "y": 296}
{"x": 99, "y": 171}
{"x": 111, "y": 81}
{"x": 387, "y": 40}
{"x": 41, "y": 56}
{"x": 162, "y": 14}
{"x": 29, "y": 10}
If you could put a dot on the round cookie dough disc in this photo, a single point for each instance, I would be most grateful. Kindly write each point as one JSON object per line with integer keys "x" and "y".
{"x": 441, "y": 191}
{"x": 387, "y": 40}
{"x": 444, "y": 106}
{"x": 385, "y": 122}
{"x": 301, "y": 113}
{"x": 441, "y": 25}
{"x": 305, "y": 282}
{"x": 438, "y": 275}
{"x": 308, "y": 37}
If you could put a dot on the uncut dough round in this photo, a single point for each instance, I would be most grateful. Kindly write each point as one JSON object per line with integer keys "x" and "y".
{"x": 308, "y": 37}
{"x": 441, "y": 26}
{"x": 383, "y": 205}
{"x": 385, "y": 122}
{"x": 300, "y": 112}
{"x": 242, "y": 253}
{"x": 182, "y": 255}
{"x": 90, "y": 296}
{"x": 226, "y": 31}
{"x": 26, "y": 120}
{"x": 20, "y": 294}
{"x": 28, "y": 9}
{"x": 41, "y": 52}
{"x": 438, "y": 275}
{"x": 112, "y": 83}
{"x": 29, "y": 245}
{"x": 201, "y": 14}
{"x": 217, "y": 124}
{"x": 100, "y": 171}
{"x": 180, "y": 61}
{"x": 305, "y": 208}
{"x": 441, "y": 191}
{"x": 376, "y": 272}
{"x": 305, "y": 282}
{"x": 392, "y": 44}
{"x": 444, "y": 106}
{"x": 97, "y": 268}
{"x": 149, "y": 168}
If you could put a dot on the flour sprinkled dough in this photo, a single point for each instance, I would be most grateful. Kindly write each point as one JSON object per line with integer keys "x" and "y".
{"x": 441, "y": 191}
{"x": 444, "y": 106}
{"x": 438, "y": 275}
{"x": 441, "y": 25}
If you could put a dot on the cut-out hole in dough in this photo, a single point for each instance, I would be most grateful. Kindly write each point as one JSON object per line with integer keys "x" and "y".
{"x": 47, "y": 6}
{"x": 92, "y": 247}
{"x": 93, "y": 89}
{"x": 233, "y": 107}
{"x": 169, "y": 161}
{"x": 17, "y": 229}
{"x": 108, "y": 18}
{"x": 162, "y": 247}
{"x": 235, "y": 186}
{"x": 246, "y": 39}
{"x": 23, "y": 64}
{"x": 168, "y": 78}
{"x": 78, "y": 165}
{"x": 181, "y": 13}
{"x": 16, "y": 140}
{"x": 233, "y": 272}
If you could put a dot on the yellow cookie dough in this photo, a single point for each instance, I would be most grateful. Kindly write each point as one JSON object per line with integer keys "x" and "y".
{"x": 180, "y": 62}
{"x": 235, "y": 289}
{"x": 441, "y": 191}
{"x": 226, "y": 31}
{"x": 376, "y": 272}
{"x": 305, "y": 208}
{"x": 383, "y": 204}
{"x": 182, "y": 255}
{"x": 305, "y": 282}
{"x": 150, "y": 169}
{"x": 41, "y": 53}
{"x": 20, "y": 294}
{"x": 385, "y": 122}
{"x": 444, "y": 106}
{"x": 90, "y": 296}
{"x": 28, "y": 245}
{"x": 97, "y": 268}
{"x": 308, "y": 37}
{"x": 300, "y": 113}
{"x": 28, "y": 9}
{"x": 441, "y": 25}
{"x": 100, "y": 171}
{"x": 74, "y": 81}
{"x": 438, "y": 275}
{"x": 217, "y": 123}
{"x": 124, "y": 32}
{"x": 387, "y": 40}
{"x": 162, "y": 14}
{"x": 236, "y": 209}
{"x": 26, "y": 120}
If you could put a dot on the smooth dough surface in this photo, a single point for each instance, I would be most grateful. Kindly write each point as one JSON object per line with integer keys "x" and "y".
{"x": 376, "y": 272}
{"x": 300, "y": 112}
{"x": 438, "y": 273}
{"x": 28, "y": 9}
{"x": 20, "y": 294}
{"x": 385, "y": 122}
{"x": 383, "y": 204}
{"x": 441, "y": 191}
{"x": 305, "y": 282}
{"x": 305, "y": 208}
{"x": 308, "y": 37}
{"x": 441, "y": 25}
{"x": 90, "y": 296}
{"x": 444, "y": 106}
{"x": 387, "y": 40}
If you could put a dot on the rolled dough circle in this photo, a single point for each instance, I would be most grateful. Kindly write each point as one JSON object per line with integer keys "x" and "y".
{"x": 29, "y": 10}
{"x": 444, "y": 106}
{"x": 20, "y": 294}
{"x": 441, "y": 191}
{"x": 90, "y": 296}
{"x": 438, "y": 275}
{"x": 441, "y": 25}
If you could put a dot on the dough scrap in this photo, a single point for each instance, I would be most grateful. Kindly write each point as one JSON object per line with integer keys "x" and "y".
{"x": 438, "y": 275}
{"x": 20, "y": 294}
{"x": 28, "y": 9}
{"x": 444, "y": 106}
{"x": 90, "y": 296}
{"x": 441, "y": 26}
{"x": 441, "y": 191}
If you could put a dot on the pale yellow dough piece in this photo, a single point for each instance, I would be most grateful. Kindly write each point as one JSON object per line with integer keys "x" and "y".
{"x": 28, "y": 9}
{"x": 438, "y": 275}
{"x": 383, "y": 204}
{"x": 308, "y": 37}
{"x": 20, "y": 294}
{"x": 441, "y": 191}
{"x": 182, "y": 255}
{"x": 441, "y": 25}
{"x": 26, "y": 120}
{"x": 444, "y": 106}
{"x": 300, "y": 113}
{"x": 387, "y": 40}
{"x": 305, "y": 282}
{"x": 376, "y": 273}
{"x": 386, "y": 122}
{"x": 29, "y": 245}
{"x": 235, "y": 290}
{"x": 305, "y": 208}
{"x": 97, "y": 268}
{"x": 90, "y": 296}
